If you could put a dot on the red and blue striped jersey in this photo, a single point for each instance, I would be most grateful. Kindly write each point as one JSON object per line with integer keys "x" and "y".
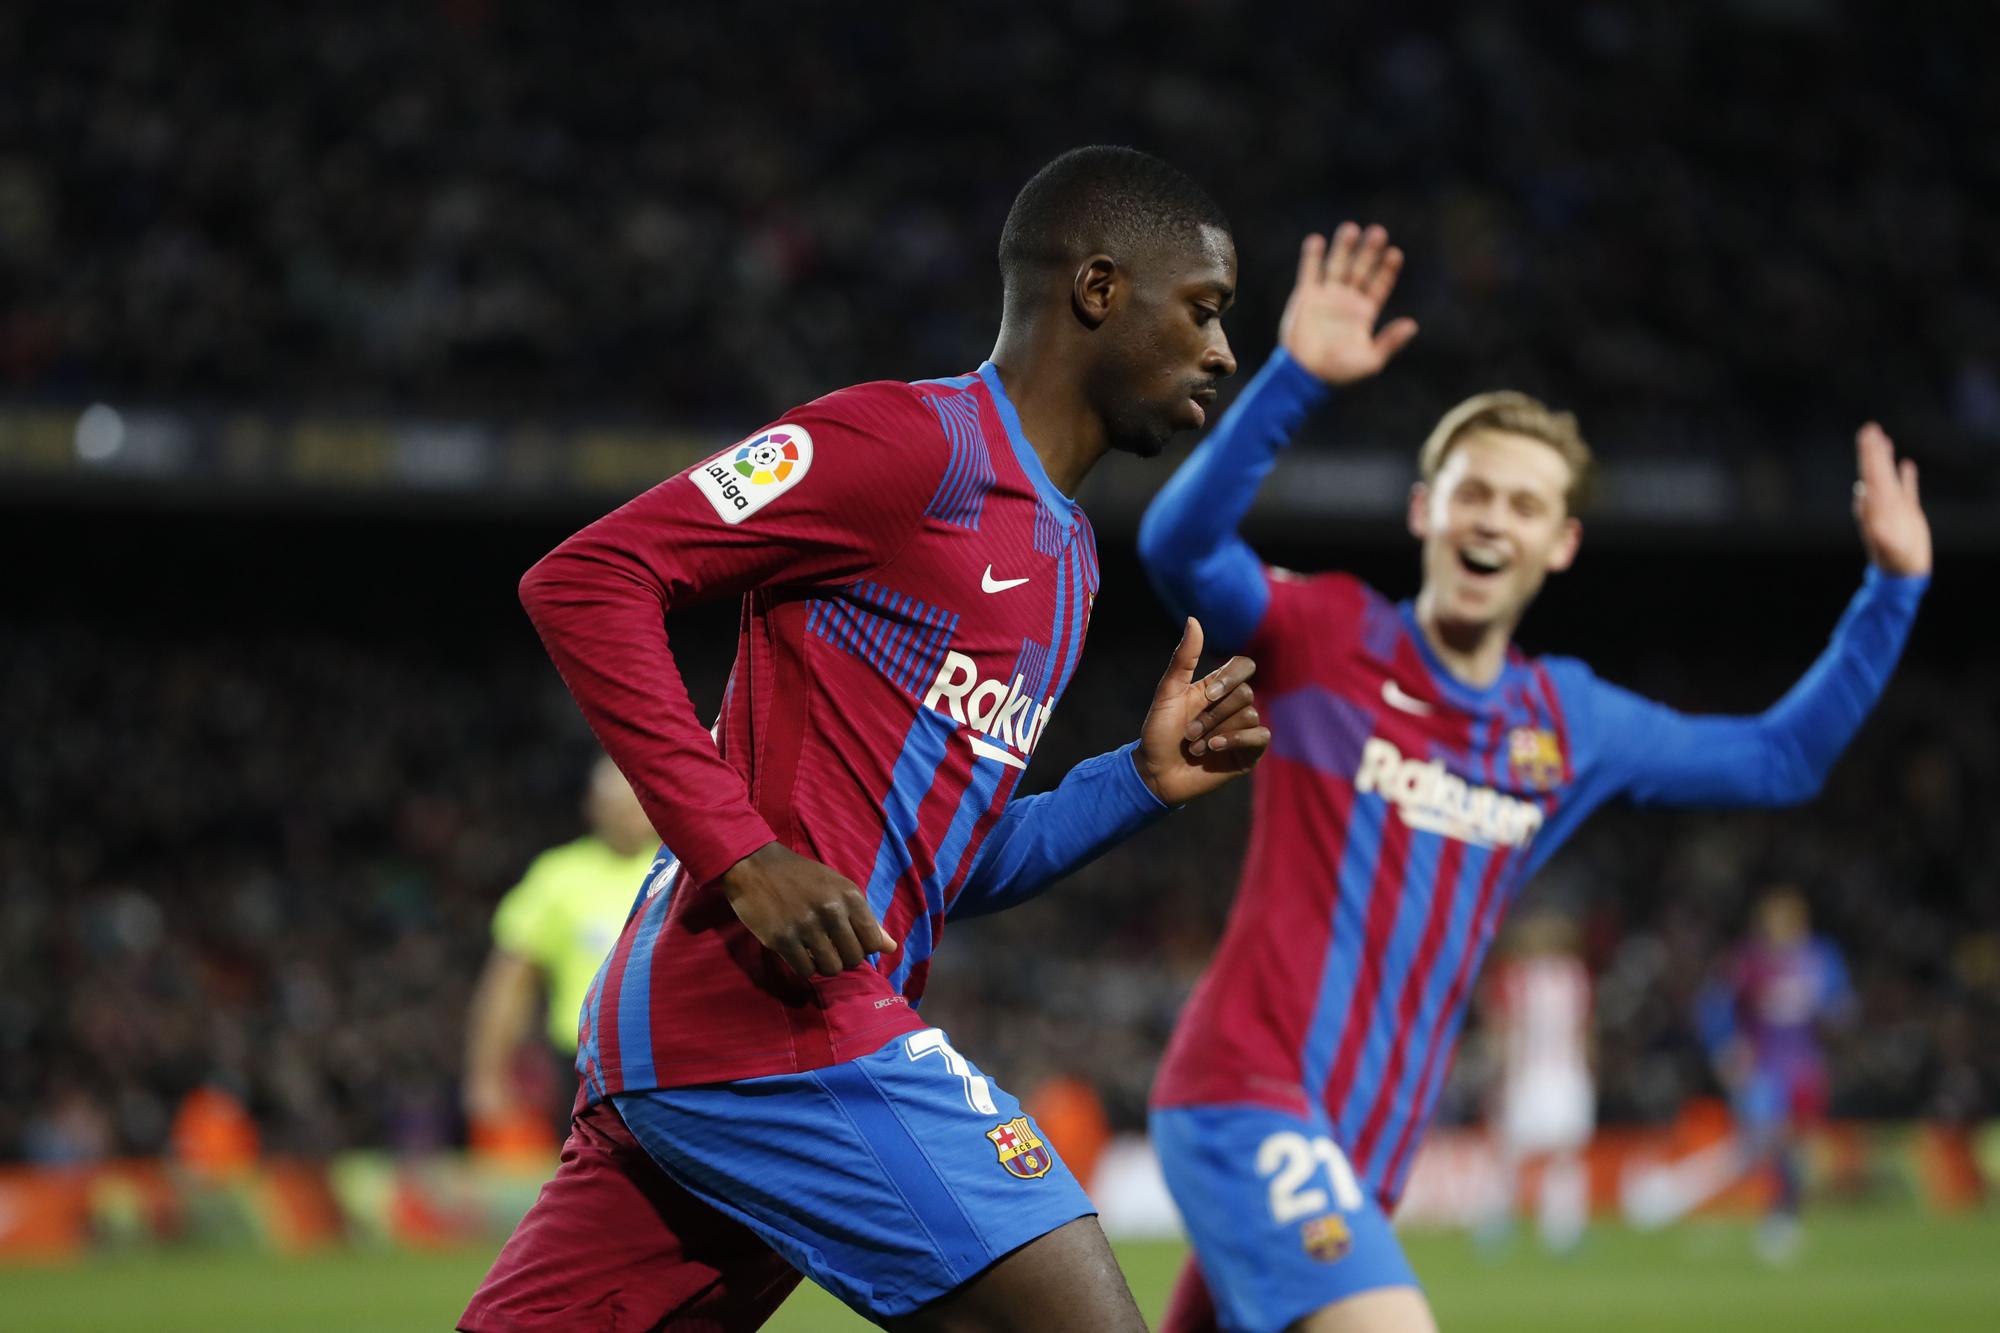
{"x": 1400, "y": 810}
{"x": 1395, "y": 817}
{"x": 1776, "y": 997}
{"x": 915, "y": 597}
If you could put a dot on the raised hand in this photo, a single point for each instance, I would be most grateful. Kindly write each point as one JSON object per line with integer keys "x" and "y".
{"x": 1329, "y": 322}
{"x": 1886, "y": 506}
{"x": 812, "y": 917}
{"x": 1199, "y": 734}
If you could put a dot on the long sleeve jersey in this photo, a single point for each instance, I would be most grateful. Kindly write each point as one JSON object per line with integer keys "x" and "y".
{"x": 915, "y": 595}
{"x": 1400, "y": 809}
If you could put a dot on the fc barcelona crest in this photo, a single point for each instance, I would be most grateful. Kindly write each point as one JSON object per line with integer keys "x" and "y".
{"x": 1327, "y": 1238}
{"x": 1022, "y": 1153}
{"x": 1536, "y": 757}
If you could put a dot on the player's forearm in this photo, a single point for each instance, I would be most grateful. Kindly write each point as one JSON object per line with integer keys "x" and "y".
{"x": 599, "y": 606}
{"x": 1188, "y": 538}
{"x": 1816, "y": 719}
{"x": 1039, "y": 839}
{"x": 1782, "y": 755}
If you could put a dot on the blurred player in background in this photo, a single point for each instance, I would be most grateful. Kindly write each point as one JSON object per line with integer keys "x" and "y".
{"x": 550, "y": 933}
{"x": 1535, "y": 1010}
{"x": 1760, "y": 1017}
{"x": 760, "y": 1098}
{"x": 1423, "y": 767}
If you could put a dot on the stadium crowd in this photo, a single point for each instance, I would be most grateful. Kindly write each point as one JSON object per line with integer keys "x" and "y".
{"x": 476, "y": 206}
{"x": 259, "y": 852}
{"x": 263, "y": 858}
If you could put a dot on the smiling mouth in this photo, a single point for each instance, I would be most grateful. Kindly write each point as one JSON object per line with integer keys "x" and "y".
{"x": 1483, "y": 561}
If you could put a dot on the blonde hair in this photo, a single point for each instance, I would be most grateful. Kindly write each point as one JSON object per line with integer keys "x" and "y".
{"x": 1516, "y": 414}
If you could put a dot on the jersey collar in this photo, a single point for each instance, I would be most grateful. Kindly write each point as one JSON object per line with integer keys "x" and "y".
{"x": 1470, "y": 697}
{"x": 1059, "y": 505}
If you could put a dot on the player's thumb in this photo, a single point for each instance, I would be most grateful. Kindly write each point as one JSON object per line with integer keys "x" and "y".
{"x": 1187, "y": 655}
{"x": 1395, "y": 337}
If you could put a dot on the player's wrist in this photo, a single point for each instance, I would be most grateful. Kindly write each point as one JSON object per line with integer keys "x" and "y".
{"x": 1294, "y": 370}
{"x": 1147, "y": 788}
{"x": 748, "y": 870}
{"x": 1147, "y": 772}
{"x": 1898, "y": 585}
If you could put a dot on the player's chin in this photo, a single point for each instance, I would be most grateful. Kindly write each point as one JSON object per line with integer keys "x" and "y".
{"x": 1473, "y": 604}
{"x": 1148, "y": 439}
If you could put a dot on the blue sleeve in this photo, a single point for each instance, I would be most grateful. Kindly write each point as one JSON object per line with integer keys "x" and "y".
{"x": 1039, "y": 839}
{"x": 1188, "y": 538}
{"x": 1780, "y": 756}
{"x": 1837, "y": 1000}
{"x": 1715, "y": 1014}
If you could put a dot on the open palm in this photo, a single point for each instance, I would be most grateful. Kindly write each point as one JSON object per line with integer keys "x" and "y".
{"x": 1329, "y": 323}
{"x": 1887, "y": 506}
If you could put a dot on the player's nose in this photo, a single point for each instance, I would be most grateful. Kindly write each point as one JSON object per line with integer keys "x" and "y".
{"x": 1218, "y": 360}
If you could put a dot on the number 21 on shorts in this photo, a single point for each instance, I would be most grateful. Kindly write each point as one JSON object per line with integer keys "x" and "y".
{"x": 1287, "y": 1159}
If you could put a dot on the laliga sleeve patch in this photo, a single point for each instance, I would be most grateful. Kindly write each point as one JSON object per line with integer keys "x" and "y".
{"x": 740, "y": 481}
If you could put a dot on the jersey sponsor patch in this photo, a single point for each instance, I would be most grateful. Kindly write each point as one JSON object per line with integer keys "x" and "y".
{"x": 740, "y": 481}
{"x": 1002, "y": 712}
{"x": 1022, "y": 1153}
{"x": 1432, "y": 798}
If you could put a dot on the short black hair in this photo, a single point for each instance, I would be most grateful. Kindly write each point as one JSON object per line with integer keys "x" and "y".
{"x": 1102, "y": 198}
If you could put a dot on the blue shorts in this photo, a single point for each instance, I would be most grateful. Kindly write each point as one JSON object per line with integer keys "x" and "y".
{"x": 889, "y": 1180}
{"x": 1280, "y": 1225}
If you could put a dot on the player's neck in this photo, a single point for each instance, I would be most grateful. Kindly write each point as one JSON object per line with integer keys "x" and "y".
{"x": 1473, "y": 654}
{"x": 1065, "y": 432}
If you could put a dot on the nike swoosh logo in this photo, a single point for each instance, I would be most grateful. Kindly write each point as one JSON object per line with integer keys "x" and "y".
{"x": 1394, "y": 696}
{"x": 988, "y": 583}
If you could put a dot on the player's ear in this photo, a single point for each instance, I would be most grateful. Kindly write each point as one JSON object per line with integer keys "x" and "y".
{"x": 1095, "y": 289}
{"x": 1565, "y": 553}
{"x": 1420, "y": 510}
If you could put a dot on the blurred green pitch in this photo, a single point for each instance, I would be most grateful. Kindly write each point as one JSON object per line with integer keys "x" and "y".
{"x": 1860, "y": 1271}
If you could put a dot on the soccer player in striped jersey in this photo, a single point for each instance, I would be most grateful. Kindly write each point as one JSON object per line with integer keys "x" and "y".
{"x": 760, "y": 1098}
{"x": 1759, "y": 1017}
{"x": 1422, "y": 768}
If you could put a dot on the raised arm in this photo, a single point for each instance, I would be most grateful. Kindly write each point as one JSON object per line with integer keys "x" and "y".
{"x": 1198, "y": 735}
{"x": 1188, "y": 539}
{"x": 1782, "y": 755}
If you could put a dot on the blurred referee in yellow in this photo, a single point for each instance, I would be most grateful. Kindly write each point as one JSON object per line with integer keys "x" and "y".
{"x": 549, "y": 933}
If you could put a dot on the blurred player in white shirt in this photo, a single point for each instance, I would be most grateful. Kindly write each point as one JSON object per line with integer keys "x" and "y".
{"x": 1537, "y": 1016}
